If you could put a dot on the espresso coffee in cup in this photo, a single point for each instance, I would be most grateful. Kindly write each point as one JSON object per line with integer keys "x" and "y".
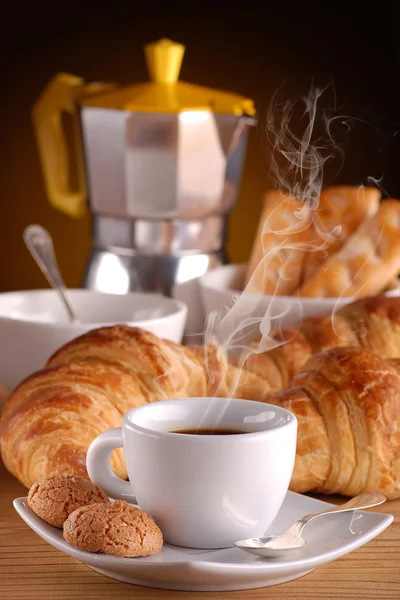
{"x": 210, "y": 471}
{"x": 209, "y": 431}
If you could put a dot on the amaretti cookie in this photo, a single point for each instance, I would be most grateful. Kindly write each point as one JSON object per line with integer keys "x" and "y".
{"x": 55, "y": 497}
{"x": 115, "y": 528}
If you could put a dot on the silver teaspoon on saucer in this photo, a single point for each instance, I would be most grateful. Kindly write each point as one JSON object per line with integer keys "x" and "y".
{"x": 278, "y": 545}
{"x": 40, "y": 245}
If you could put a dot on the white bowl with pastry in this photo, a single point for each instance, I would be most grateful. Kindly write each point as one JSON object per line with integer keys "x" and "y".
{"x": 307, "y": 262}
{"x": 34, "y": 323}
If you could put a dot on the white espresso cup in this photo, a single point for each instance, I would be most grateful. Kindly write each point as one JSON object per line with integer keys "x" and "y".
{"x": 203, "y": 490}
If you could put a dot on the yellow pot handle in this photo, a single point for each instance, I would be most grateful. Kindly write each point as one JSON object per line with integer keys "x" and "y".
{"x": 58, "y": 98}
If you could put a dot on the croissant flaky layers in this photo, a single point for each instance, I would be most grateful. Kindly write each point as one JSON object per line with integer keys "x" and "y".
{"x": 346, "y": 399}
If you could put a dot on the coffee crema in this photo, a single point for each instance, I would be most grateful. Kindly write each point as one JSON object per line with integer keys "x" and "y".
{"x": 208, "y": 431}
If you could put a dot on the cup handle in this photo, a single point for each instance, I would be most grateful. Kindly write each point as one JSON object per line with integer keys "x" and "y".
{"x": 99, "y": 469}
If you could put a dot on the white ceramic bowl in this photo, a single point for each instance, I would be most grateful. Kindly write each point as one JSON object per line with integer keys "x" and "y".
{"x": 221, "y": 287}
{"x": 34, "y": 324}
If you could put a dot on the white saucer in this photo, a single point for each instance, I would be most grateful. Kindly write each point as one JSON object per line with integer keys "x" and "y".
{"x": 187, "y": 569}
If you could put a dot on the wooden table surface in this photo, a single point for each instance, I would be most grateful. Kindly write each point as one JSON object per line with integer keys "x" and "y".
{"x": 32, "y": 569}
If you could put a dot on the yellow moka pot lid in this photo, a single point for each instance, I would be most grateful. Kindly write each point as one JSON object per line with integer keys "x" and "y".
{"x": 165, "y": 94}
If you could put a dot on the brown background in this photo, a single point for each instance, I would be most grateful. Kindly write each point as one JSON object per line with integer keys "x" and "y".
{"x": 251, "y": 49}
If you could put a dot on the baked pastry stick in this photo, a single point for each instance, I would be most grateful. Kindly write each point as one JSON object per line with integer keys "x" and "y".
{"x": 366, "y": 263}
{"x": 340, "y": 212}
{"x": 283, "y": 236}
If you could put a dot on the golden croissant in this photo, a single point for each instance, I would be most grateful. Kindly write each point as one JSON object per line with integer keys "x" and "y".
{"x": 372, "y": 323}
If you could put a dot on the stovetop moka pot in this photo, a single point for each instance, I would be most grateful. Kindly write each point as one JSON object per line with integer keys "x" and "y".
{"x": 158, "y": 164}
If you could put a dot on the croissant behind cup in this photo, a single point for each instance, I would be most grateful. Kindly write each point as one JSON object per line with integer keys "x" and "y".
{"x": 50, "y": 420}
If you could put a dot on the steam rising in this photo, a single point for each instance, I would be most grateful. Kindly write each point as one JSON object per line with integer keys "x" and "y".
{"x": 297, "y": 161}
{"x": 299, "y": 144}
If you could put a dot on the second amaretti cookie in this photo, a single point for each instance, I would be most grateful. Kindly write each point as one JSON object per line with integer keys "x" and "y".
{"x": 116, "y": 528}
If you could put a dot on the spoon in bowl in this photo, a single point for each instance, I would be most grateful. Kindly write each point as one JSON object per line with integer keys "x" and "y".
{"x": 40, "y": 245}
{"x": 278, "y": 545}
